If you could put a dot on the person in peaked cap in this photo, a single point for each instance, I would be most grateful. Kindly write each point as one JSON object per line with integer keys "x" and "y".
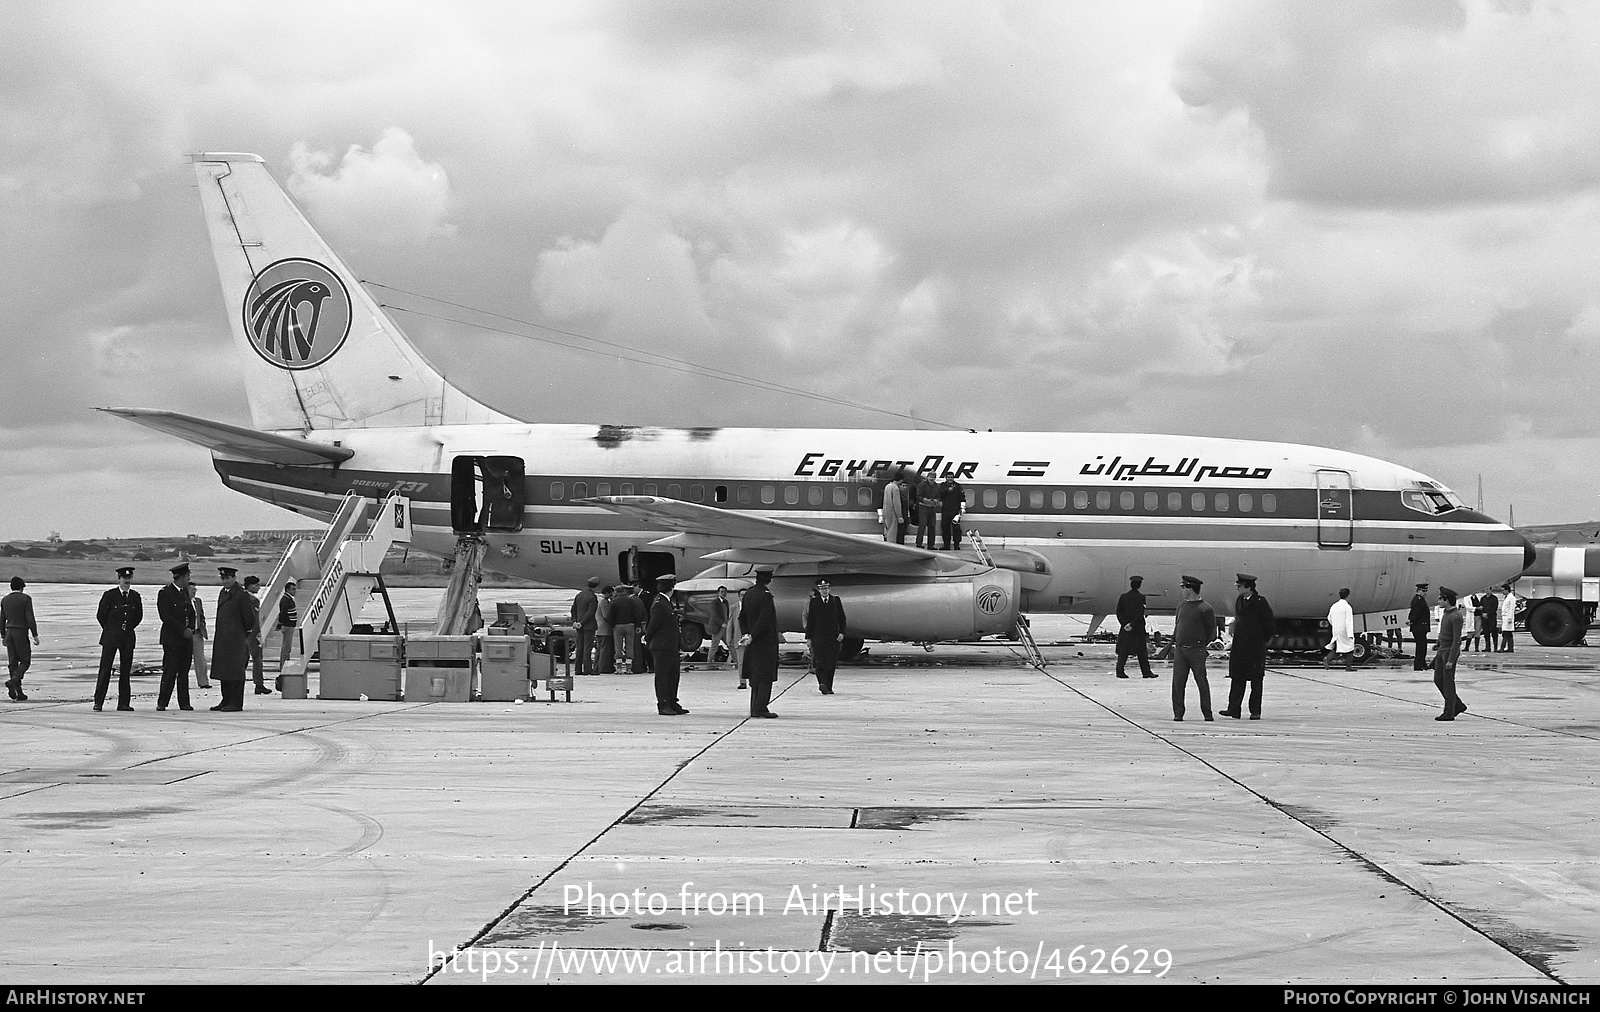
{"x": 252, "y": 586}
{"x": 120, "y": 612}
{"x": 1446, "y": 655}
{"x": 584, "y": 611}
{"x": 758, "y": 617}
{"x": 661, "y": 635}
{"x": 233, "y": 623}
{"x": 177, "y": 637}
{"x": 1253, "y": 626}
{"x": 1193, "y": 628}
{"x": 16, "y": 614}
{"x": 1132, "y": 640}
{"x": 1420, "y": 620}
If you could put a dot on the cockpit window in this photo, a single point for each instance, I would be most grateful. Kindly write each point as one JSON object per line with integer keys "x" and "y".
{"x": 1430, "y": 502}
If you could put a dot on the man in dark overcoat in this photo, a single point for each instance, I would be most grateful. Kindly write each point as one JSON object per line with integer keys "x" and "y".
{"x": 235, "y": 621}
{"x": 1131, "y": 637}
{"x": 663, "y": 638}
{"x": 1247, "y": 660}
{"x": 16, "y": 614}
{"x": 176, "y": 610}
{"x": 758, "y": 617}
{"x": 585, "y": 618}
{"x": 952, "y": 499}
{"x": 1420, "y": 620}
{"x": 825, "y": 633}
{"x": 119, "y": 614}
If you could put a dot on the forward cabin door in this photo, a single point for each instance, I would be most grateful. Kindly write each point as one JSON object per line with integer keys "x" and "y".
{"x": 1335, "y": 509}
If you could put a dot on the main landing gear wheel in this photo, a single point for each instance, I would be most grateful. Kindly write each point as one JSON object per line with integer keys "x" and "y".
{"x": 690, "y": 636}
{"x": 1553, "y": 625}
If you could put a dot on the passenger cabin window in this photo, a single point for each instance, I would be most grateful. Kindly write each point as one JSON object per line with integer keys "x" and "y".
{"x": 1175, "y": 502}
{"x": 650, "y": 488}
{"x": 991, "y": 498}
{"x": 602, "y": 488}
{"x": 719, "y": 493}
{"x": 1221, "y": 502}
{"x": 1036, "y": 499}
{"x": 814, "y": 495}
{"x": 1102, "y": 500}
{"x": 791, "y": 495}
{"x": 1013, "y": 498}
{"x": 744, "y": 495}
{"x": 1080, "y": 500}
{"x": 580, "y": 489}
{"x": 558, "y": 489}
{"x": 1269, "y": 503}
{"x": 1058, "y": 500}
{"x": 841, "y": 497}
{"x": 626, "y": 488}
{"x": 1152, "y": 501}
{"x": 697, "y": 493}
{"x": 674, "y": 491}
{"x": 1197, "y": 502}
{"x": 864, "y": 495}
{"x": 769, "y": 495}
{"x": 1247, "y": 502}
{"x": 1126, "y": 500}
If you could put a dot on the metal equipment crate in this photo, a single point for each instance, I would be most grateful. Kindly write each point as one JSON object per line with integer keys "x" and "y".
{"x": 356, "y": 666}
{"x": 439, "y": 669}
{"x": 503, "y": 668}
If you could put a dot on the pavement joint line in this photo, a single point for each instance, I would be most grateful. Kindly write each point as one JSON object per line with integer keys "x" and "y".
{"x": 1414, "y": 702}
{"x": 275, "y": 734}
{"x": 1367, "y": 862}
{"x": 553, "y": 872}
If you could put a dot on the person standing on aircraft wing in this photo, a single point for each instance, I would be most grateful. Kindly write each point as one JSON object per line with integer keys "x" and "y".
{"x": 1132, "y": 639}
{"x": 908, "y": 499}
{"x": 662, "y": 636}
{"x": 1446, "y": 655}
{"x": 758, "y": 617}
{"x": 952, "y": 500}
{"x": 177, "y": 638}
{"x": 1192, "y": 630}
{"x": 1342, "y": 619}
{"x": 584, "y": 608}
{"x": 1420, "y": 621}
{"x": 825, "y": 633}
{"x": 120, "y": 613}
{"x": 927, "y": 510}
{"x": 1247, "y": 660}
{"x": 894, "y": 514}
{"x": 16, "y": 614}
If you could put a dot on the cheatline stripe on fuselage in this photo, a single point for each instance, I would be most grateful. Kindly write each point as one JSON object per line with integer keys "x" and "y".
{"x": 1101, "y": 531}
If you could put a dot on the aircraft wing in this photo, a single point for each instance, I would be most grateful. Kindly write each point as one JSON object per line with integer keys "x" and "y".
{"x": 730, "y": 536}
{"x": 235, "y": 440}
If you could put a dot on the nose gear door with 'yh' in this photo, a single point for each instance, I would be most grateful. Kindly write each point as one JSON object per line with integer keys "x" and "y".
{"x": 486, "y": 494}
{"x": 1335, "y": 509}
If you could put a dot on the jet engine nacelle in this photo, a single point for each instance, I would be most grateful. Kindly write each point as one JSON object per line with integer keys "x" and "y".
{"x": 921, "y": 609}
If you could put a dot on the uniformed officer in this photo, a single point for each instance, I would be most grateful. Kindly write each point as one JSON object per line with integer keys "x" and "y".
{"x": 233, "y": 623}
{"x": 1131, "y": 637}
{"x": 584, "y": 608}
{"x": 119, "y": 614}
{"x": 1253, "y": 626}
{"x": 825, "y": 629}
{"x": 1420, "y": 620}
{"x": 177, "y": 637}
{"x": 662, "y": 636}
{"x": 758, "y": 617}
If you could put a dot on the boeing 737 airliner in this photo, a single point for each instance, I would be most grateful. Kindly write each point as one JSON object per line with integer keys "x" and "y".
{"x": 342, "y": 402}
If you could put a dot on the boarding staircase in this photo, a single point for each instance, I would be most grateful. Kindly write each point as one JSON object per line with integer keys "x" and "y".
{"x": 1024, "y": 634}
{"x": 347, "y": 571}
{"x": 459, "y": 606}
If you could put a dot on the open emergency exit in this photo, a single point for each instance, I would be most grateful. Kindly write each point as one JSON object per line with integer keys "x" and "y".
{"x": 487, "y": 494}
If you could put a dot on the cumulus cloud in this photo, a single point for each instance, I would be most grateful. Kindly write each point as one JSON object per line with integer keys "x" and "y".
{"x": 386, "y": 195}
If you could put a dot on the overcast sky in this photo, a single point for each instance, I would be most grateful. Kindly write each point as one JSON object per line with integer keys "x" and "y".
{"x": 1372, "y": 226}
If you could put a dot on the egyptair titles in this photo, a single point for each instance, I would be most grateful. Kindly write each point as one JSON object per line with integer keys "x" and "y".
{"x": 1186, "y": 467}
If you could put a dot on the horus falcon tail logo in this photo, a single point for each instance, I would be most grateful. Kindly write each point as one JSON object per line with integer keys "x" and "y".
{"x": 296, "y": 313}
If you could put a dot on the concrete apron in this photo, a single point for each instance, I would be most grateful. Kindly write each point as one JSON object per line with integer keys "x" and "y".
{"x": 1345, "y": 837}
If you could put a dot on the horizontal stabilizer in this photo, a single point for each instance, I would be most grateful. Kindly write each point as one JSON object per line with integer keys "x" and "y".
{"x": 235, "y": 440}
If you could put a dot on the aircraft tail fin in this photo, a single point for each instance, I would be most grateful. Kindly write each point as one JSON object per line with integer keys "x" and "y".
{"x": 317, "y": 351}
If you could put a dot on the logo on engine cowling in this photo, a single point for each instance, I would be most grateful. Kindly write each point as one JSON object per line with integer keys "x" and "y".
{"x": 991, "y": 600}
{"x": 296, "y": 313}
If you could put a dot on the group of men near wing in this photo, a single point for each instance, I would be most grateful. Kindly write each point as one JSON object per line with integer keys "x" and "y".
{"x": 1195, "y": 626}
{"x": 916, "y": 500}
{"x": 622, "y": 621}
{"x": 235, "y": 634}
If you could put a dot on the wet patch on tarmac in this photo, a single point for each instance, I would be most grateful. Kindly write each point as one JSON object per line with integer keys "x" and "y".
{"x": 1445, "y": 863}
{"x": 887, "y": 932}
{"x": 531, "y": 924}
{"x": 905, "y": 818}
{"x": 1313, "y": 817}
{"x": 104, "y": 819}
{"x": 139, "y": 775}
{"x": 1534, "y": 947}
{"x": 751, "y": 816}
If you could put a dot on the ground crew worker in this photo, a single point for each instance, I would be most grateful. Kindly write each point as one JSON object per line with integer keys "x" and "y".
{"x": 1192, "y": 630}
{"x": 662, "y": 636}
{"x": 1132, "y": 638}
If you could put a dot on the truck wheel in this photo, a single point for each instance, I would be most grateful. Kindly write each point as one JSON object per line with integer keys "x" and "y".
{"x": 690, "y": 636}
{"x": 1552, "y": 624}
{"x": 850, "y": 649}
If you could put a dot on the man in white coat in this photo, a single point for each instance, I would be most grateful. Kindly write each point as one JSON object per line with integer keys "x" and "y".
{"x": 893, "y": 513}
{"x": 1343, "y": 620}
